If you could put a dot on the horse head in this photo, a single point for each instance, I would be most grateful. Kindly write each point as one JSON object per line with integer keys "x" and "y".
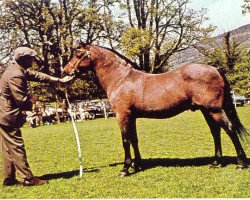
{"x": 80, "y": 61}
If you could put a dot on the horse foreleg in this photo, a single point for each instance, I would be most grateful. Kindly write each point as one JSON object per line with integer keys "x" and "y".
{"x": 216, "y": 133}
{"x": 127, "y": 159}
{"x": 124, "y": 123}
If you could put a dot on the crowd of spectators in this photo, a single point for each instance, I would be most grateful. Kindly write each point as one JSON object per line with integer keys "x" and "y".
{"x": 47, "y": 114}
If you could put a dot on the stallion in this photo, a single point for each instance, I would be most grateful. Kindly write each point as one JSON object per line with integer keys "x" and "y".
{"x": 135, "y": 94}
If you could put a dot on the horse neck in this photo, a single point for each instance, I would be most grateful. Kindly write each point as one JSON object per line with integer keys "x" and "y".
{"x": 110, "y": 70}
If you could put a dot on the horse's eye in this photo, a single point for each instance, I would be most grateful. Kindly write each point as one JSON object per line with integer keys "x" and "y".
{"x": 79, "y": 54}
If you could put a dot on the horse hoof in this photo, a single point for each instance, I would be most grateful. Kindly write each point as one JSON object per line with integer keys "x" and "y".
{"x": 241, "y": 167}
{"x": 137, "y": 167}
{"x": 215, "y": 166}
{"x": 123, "y": 173}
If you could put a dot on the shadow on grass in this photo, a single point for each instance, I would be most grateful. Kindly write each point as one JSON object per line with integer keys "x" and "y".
{"x": 183, "y": 162}
{"x": 186, "y": 162}
{"x": 149, "y": 164}
{"x": 66, "y": 175}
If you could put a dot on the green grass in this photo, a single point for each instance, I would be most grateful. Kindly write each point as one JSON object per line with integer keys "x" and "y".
{"x": 175, "y": 151}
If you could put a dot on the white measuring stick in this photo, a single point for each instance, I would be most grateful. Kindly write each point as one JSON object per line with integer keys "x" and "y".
{"x": 76, "y": 135}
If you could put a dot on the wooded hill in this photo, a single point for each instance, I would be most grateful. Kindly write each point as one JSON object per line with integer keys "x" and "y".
{"x": 192, "y": 55}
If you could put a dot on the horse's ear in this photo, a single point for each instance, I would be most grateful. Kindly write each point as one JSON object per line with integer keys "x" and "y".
{"x": 83, "y": 44}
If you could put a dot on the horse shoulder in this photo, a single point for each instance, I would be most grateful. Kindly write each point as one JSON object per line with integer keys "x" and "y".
{"x": 122, "y": 92}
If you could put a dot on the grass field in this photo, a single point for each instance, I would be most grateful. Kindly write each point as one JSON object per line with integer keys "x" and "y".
{"x": 176, "y": 153}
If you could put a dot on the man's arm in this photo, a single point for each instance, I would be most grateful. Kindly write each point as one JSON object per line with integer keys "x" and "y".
{"x": 42, "y": 77}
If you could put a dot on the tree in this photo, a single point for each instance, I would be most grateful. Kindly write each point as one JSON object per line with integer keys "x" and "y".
{"x": 157, "y": 29}
{"x": 97, "y": 23}
{"x": 246, "y": 7}
{"x": 45, "y": 26}
{"x": 52, "y": 28}
{"x": 232, "y": 58}
{"x": 239, "y": 77}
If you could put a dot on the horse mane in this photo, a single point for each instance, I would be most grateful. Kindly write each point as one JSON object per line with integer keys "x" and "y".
{"x": 133, "y": 64}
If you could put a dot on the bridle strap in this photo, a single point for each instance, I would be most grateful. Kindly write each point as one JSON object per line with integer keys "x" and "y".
{"x": 85, "y": 55}
{"x": 71, "y": 65}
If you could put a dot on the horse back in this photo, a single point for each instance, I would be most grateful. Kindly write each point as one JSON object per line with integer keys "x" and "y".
{"x": 158, "y": 95}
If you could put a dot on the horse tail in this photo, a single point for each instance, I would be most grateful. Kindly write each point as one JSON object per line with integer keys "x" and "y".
{"x": 230, "y": 110}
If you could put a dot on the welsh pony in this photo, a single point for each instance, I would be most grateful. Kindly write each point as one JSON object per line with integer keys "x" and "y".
{"x": 135, "y": 94}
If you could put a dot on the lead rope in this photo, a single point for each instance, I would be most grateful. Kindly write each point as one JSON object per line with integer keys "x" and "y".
{"x": 76, "y": 135}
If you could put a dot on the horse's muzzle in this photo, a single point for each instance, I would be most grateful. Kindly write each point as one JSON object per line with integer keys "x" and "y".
{"x": 64, "y": 73}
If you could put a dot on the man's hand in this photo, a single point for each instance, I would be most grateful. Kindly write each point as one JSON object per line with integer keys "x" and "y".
{"x": 66, "y": 79}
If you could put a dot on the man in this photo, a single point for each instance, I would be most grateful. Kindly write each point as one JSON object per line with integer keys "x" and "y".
{"x": 14, "y": 101}
{"x": 65, "y": 115}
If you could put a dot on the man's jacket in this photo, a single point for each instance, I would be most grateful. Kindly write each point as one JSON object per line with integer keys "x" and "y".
{"x": 14, "y": 97}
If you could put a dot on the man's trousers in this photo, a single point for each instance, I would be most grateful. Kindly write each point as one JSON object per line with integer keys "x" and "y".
{"x": 14, "y": 159}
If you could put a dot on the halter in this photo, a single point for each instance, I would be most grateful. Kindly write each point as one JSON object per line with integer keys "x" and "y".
{"x": 86, "y": 54}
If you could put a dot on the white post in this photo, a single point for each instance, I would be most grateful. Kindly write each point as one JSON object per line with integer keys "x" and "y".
{"x": 76, "y": 135}
{"x": 104, "y": 109}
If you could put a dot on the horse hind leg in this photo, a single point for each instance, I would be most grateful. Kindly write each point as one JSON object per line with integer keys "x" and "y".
{"x": 134, "y": 141}
{"x": 215, "y": 129}
{"x": 226, "y": 124}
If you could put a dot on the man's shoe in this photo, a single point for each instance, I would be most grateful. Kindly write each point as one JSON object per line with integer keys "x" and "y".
{"x": 11, "y": 182}
{"x": 34, "y": 181}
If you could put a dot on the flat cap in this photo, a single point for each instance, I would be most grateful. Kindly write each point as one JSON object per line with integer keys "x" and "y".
{"x": 23, "y": 51}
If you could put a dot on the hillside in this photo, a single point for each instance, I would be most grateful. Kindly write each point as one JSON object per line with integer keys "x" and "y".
{"x": 192, "y": 55}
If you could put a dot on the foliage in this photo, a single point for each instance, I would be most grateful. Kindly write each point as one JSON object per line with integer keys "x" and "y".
{"x": 44, "y": 91}
{"x": 170, "y": 25}
{"x": 53, "y": 28}
{"x": 36, "y": 25}
{"x": 239, "y": 77}
{"x": 246, "y": 7}
{"x": 134, "y": 41}
{"x": 86, "y": 87}
{"x": 232, "y": 58}
{"x": 176, "y": 153}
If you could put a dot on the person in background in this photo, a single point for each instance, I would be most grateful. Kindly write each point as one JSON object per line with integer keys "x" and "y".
{"x": 14, "y": 101}
{"x": 65, "y": 115}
